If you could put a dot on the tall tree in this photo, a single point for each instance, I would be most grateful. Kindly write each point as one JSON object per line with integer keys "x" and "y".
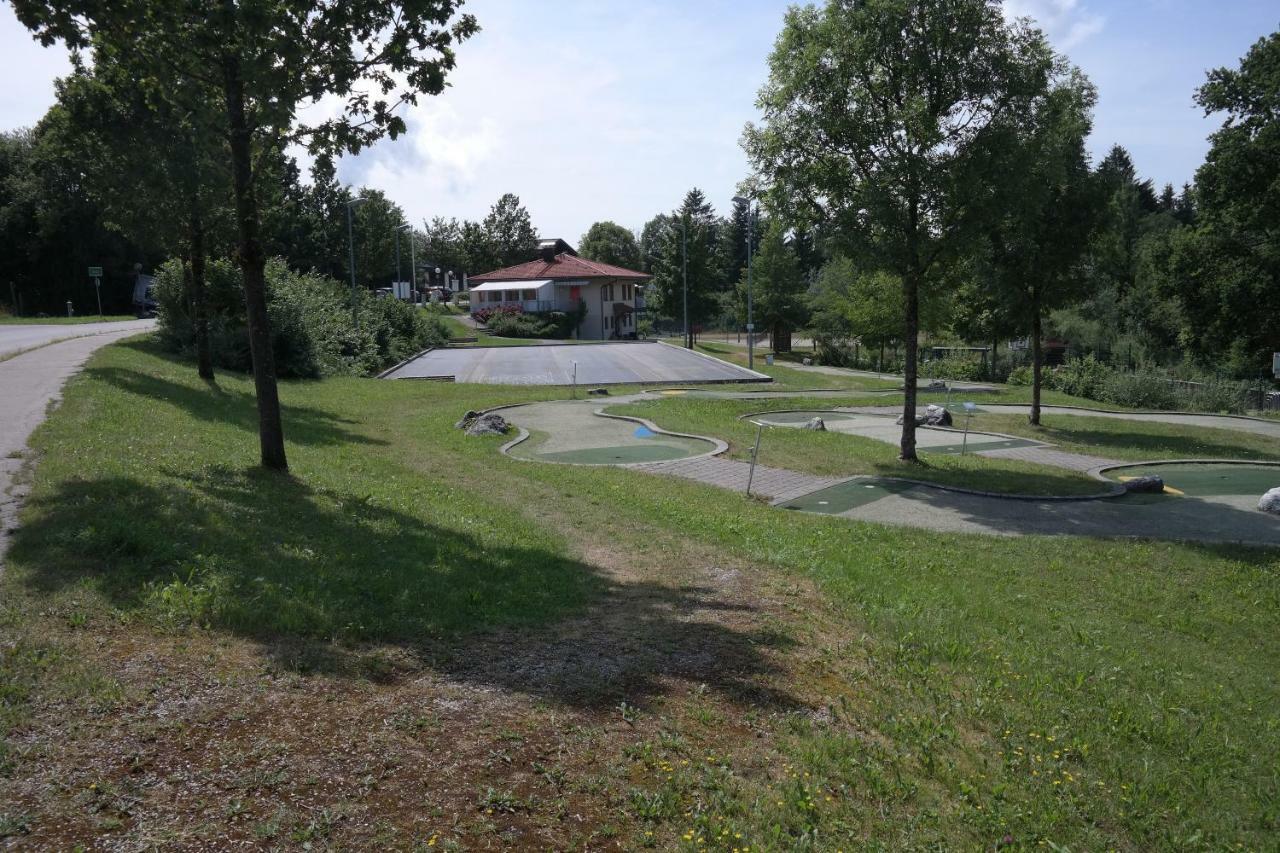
{"x": 778, "y": 286}
{"x": 881, "y": 119}
{"x": 266, "y": 58}
{"x": 610, "y": 243}
{"x": 510, "y": 231}
{"x": 687, "y": 251}
{"x": 1039, "y": 245}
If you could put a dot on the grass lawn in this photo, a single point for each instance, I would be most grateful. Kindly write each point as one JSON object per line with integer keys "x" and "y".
{"x": 10, "y": 320}
{"x": 1133, "y": 440}
{"x": 838, "y": 454}
{"x": 414, "y": 642}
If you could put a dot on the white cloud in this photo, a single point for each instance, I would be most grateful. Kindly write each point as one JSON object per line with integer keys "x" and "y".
{"x": 28, "y": 71}
{"x": 1066, "y": 22}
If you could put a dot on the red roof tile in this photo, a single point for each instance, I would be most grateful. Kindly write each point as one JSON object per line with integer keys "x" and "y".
{"x": 562, "y": 266}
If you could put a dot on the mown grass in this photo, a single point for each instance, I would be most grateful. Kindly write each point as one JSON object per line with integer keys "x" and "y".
{"x": 10, "y": 320}
{"x": 1133, "y": 440}
{"x": 943, "y": 692}
{"x": 832, "y": 454}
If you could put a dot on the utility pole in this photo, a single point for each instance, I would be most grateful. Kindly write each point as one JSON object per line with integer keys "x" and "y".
{"x": 751, "y": 326}
{"x": 399, "y": 274}
{"x": 351, "y": 244}
{"x": 684, "y": 267}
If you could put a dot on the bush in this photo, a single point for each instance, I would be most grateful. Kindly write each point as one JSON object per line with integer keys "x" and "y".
{"x": 1079, "y": 377}
{"x": 960, "y": 367}
{"x": 1217, "y": 395}
{"x": 1021, "y": 375}
{"x": 1140, "y": 391}
{"x": 313, "y": 333}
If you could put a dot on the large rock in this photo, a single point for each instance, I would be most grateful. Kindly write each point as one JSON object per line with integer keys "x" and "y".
{"x": 936, "y": 385}
{"x": 467, "y": 420}
{"x": 1270, "y": 502}
{"x": 1152, "y": 484}
{"x": 816, "y": 424}
{"x": 598, "y": 392}
{"x": 491, "y": 424}
{"x": 936, "y": 416}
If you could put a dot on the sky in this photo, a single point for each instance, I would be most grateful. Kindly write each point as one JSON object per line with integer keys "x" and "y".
{"x": 613, "y": 110}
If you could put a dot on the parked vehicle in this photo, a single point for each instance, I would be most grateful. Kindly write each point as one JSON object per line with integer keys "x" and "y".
{"x": 144, "y": 300}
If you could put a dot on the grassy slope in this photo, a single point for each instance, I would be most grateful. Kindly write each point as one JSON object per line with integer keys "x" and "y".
{"x": 938, "y": 691}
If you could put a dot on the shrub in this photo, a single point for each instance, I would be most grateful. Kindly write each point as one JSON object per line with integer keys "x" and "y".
{"x": 1020, "y": 375}
{"x": 313, "y": 332}
{"x": 1217, "y": 395}
{"x": 1079, "y": 377}
{"x": 1140, "y": 391}
{"x": 961, "y": 367}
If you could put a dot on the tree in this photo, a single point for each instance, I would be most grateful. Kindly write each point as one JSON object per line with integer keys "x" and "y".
{"x": 610, "y": 243}
{"x": 778, "y": 287}
{"x": 881, "y": 121}
{"x": 510, "y": 231}
{"x": 1039, "y": 246}
{"x": 688, "y": 245}
{"x": 266, "y": 58}
{"x": 154, "y": 170}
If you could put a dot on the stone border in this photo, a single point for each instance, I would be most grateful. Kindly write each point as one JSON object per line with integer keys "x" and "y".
{"x": 1115, "y": 490}
{"x": 396, "y": 367}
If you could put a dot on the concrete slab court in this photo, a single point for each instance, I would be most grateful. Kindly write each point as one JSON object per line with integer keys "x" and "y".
{"x": 597, "y": 364}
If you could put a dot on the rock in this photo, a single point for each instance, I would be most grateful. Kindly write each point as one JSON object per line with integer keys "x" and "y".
{"x": 1270, "y": 502}
{"x": 598, "y": 392}
{"x": 491, "y": 424}
{"x": 1152, "y": 484}
{"x": 936, "y": 416}
{"x": 937, "y": 385}
{"x": 806, "y": 361}
{"x": 816, "y": 424}
{"x": 467, "y": 419}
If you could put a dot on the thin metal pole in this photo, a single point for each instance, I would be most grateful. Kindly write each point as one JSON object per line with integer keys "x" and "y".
{"x": 964, "y": 446}
{"x": 97, "y": 288}
{"x": 751, "y": 326}
{"x": 413, "y": 266}
{"x": 351, "y": 244}
{"x": 684, "y": 265}
{"x": 755, "y": 451}
{"x": 399, "y": 272}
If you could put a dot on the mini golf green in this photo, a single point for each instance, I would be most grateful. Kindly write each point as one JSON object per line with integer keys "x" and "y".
{"x": 845, "y": 496}
{"x": 801, "y": 417}
{"x": 619, "y": 455}
{"x": 1206, "y": 479}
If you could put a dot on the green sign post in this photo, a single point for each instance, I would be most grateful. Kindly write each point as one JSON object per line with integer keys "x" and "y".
{"x": 95, "y": 273}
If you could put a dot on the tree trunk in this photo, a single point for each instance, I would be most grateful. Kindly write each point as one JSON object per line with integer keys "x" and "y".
{"x": 199, "y": 310}
{"x": 1035, "y": 359}
{"x": 911, "y": 301}
{"x": 253, "y": 269}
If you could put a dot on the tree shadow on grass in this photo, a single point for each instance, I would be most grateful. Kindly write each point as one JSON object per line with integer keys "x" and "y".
{"x": 1154, "y": 444}
{"x": 327, "y": 582}
{"x": 214, "y": 404}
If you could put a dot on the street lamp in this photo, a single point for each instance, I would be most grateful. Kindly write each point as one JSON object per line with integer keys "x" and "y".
{"x": 413, "y": 264}
{"x": 751, "y": 326}
{"x": 351, "y": 243}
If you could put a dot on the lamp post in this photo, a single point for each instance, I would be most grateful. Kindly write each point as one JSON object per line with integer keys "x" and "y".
{"x": 684, "y": 271}
{"x": 351, "y": 243}
{"x": 751, "y": 326}
{"x": 412, "y": 266}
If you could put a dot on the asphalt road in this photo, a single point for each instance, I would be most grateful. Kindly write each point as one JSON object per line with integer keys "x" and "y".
{"x": 14, "y": 338}
{"x": 28, "y": 383}
{"x": 597, "y": 364}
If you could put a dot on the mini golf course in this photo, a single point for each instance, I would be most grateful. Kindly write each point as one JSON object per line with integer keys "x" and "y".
{"x": 570, "y": 432}
{"x": 884, "y": 428}
{"x": 1210, "y": 501}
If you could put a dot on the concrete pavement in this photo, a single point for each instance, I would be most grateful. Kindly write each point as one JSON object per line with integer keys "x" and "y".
{"x": 18, "y": 337}
{"x": 28, "y": 384}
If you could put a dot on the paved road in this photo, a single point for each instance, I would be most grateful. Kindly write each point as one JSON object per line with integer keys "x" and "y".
{"x": 28, "y": 382}
{"x": 14, "y": 338}
{"x": 597, "y": 364}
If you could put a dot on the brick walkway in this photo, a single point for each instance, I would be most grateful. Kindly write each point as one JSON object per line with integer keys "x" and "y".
{"x": 1050, "y": 456}
{"x": 773, "y": 483}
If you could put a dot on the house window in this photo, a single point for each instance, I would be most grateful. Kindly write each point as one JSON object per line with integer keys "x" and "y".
{"x": 626, "y": 292}
{"x": 529, "y": 295}
{"x": 511, "y": 295}
{"x": 606, "y": 292}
